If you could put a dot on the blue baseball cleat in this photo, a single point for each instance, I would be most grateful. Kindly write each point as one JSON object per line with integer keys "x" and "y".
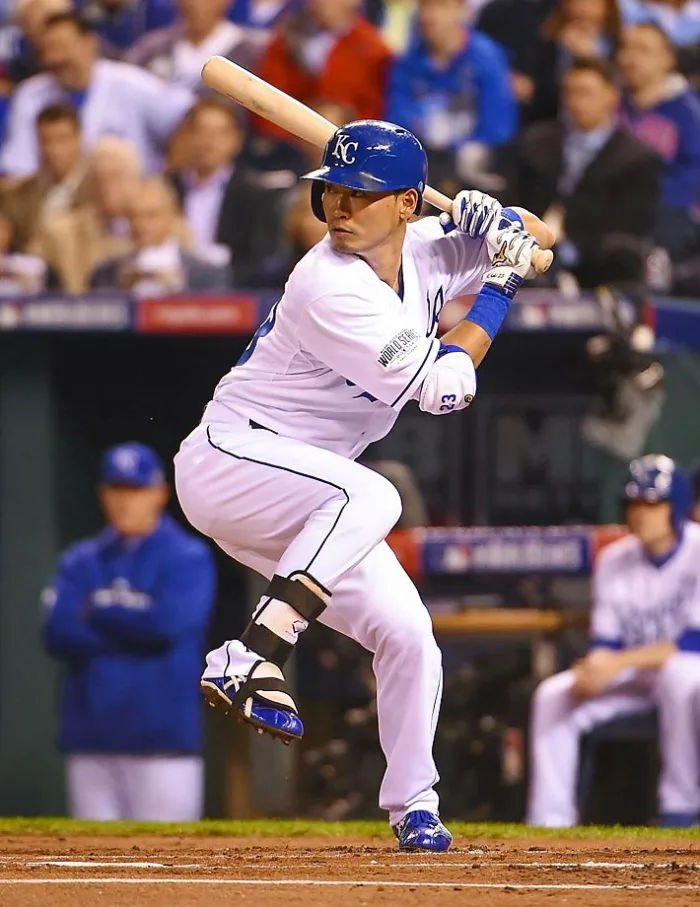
{"x": 678, "y": 820}
{"x": 421, "y": 830}
{"x": 260, "y": 699}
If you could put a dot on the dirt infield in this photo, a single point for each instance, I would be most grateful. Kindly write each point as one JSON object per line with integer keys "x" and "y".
{"x": 63, "y": 870}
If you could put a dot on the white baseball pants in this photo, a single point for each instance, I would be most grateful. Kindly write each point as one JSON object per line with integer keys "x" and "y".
{"x": 559, "y": 720}
{"x": 105, "y": 787}
{"x": 280, "y": 506}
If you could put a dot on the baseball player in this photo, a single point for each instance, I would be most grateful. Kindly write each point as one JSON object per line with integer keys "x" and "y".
{"x": 645, "y": 651}
{"x": 270, "y": 473}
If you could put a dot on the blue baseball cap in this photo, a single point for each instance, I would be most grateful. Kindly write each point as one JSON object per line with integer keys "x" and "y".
{"x": 132, "y": 464}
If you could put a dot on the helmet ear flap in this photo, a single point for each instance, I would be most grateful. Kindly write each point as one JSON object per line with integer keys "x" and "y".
{"x": 317, "y": 200}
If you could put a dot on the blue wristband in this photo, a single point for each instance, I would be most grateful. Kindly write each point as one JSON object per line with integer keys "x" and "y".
{"x": 489, "y": 309}
{"x": 446, "y": 348}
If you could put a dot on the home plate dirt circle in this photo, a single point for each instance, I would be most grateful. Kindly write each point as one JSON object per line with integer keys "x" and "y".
{"x": 124, "y": 871}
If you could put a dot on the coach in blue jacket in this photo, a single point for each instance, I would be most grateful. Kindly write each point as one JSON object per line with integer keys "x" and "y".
{"x": 127, "y": 613}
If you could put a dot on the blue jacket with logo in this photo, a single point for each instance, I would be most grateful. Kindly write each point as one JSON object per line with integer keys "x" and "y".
{"x": 129, "y": 619}
{"x": 469, "y": 100}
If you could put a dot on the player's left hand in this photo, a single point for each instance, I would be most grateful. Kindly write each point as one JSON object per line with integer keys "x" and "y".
{"x": 474, "y": 212}
{"x": 594, "y": 672}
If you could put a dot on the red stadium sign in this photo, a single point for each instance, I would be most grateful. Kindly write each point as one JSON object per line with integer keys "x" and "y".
{"x": 225, "y": 314}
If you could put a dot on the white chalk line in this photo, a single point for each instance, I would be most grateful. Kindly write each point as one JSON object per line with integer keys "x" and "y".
{"x": 112, "y": 864}
{"x": 588, "y": 864}
{"x": 357, "y": 883}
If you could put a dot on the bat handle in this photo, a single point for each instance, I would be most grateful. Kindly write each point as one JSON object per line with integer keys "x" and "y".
{"x": 541, "y": 258}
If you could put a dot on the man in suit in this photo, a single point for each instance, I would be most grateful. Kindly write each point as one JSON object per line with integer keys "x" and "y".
{"x": 59, "y": 183}
{"x": 158, "y": 265}
{"x": 595, "y": 185}
{"x": 230, "y": 207}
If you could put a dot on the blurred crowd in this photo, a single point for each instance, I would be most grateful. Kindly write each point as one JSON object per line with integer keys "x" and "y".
{"x": 119, "y": 169}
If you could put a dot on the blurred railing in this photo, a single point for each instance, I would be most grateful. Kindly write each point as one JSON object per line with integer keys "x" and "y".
{"x": 677, "y": 322}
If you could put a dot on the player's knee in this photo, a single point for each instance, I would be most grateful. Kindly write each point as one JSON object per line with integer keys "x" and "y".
{"x": 410, "y": 633}
{"x": 553, "y": 689}
{"x": 382, "y": 502}
{"x": 679, "y": 676}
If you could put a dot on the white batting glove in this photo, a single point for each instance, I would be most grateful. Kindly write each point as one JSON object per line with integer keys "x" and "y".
{"x": 474, "y": 212}
{"x": 510, "y": 250}
{"x": 449, "y": 385}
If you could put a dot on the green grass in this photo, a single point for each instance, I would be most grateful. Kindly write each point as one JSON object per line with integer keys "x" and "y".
{"x": 303, "y": 828}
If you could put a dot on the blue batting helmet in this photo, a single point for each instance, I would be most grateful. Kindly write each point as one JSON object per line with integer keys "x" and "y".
{"x": 371, "y": 155}
{"x": 655, "y": 478}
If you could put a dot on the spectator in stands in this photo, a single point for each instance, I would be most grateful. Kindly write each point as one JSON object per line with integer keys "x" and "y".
{"x": 679, "y": 19}
{"x": 573, "y": 29}
{"x": 596, "y": 186}
{"x": 73, "y": 243}
{"x": 20, "y": 273}
{"x": 112, "y": 97}
{"x": 260, "y": 13}
{"x": 506, "y": 21}
{"x": 453, "y": 90}
{"x": 158, "y": 264}
{"x": 327, "y": 50}
{"x": 207, "y": 186}
{"x": 127, "y": 614}
{"x": 303, "y": 229}
{"x": 32, "y": 16}
{"x": 218, "y": 191}
{"x": 178, "y": 52}
{"x": 59, "y": 184}
{"x": 120, "y": 23}
{"x": 661, "y": 109}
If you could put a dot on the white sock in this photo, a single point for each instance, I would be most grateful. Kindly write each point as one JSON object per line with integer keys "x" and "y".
{"x": 230, "y": 659}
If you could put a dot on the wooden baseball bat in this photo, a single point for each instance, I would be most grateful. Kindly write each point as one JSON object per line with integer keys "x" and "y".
{"x": 258, "y": 96}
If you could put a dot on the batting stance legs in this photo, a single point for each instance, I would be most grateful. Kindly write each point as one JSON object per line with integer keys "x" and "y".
{"x": 559, "y": 720}
{"x": 287, "y": 509}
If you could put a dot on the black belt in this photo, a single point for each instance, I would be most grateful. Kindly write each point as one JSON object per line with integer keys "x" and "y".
{"x": 258, "y": 425}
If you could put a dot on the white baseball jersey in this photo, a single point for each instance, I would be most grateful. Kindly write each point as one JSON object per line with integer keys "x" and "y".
{"x": 637, "y": 602}
{"x": 341, "y": 353}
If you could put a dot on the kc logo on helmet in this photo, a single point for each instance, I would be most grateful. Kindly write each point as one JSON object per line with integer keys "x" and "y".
{"x": 343, "y": 150}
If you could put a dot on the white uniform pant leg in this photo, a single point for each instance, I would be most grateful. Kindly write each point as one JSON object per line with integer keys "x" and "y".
{"x": 677, "y": 695}
{"x": 558, "y": 721}
{"x": 94, "y": 788}
{"x": 163, "y": 788}
{"x": 378, "y": 606}
{"x": 305, "y": 508}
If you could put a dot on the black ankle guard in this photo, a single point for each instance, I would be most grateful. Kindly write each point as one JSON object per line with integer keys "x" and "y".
{"x": 266, "y": 643}
{"x": 297, "y": 595}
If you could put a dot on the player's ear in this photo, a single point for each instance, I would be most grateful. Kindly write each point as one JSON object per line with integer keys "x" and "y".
{"x": 409, "y": 203}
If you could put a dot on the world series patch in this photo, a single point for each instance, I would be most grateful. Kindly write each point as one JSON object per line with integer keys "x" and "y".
{"x": 399, "y": 347}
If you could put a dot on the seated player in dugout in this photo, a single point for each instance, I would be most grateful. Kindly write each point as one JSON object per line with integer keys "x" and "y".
{"x": 270, "y": 473}
{"x": 645, "y": 652}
